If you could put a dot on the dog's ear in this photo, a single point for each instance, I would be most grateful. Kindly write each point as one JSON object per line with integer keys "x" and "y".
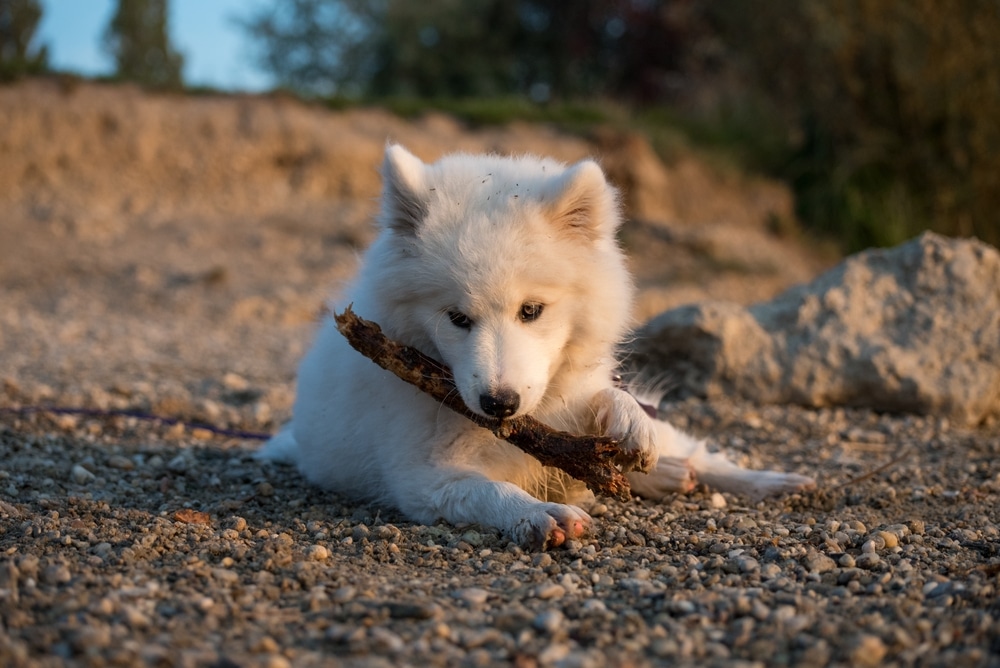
{"x": 404, "y": 201}
{"x": 581, "y": 201}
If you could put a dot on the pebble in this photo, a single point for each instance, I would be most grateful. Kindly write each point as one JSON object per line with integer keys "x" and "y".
{"x": 81, "y": 475}
{"x": 867, "y": 650}
{"x": 472, "y": 595}
{"x": 817, "y": 562}
{"x": 180, "y": 463}
{"x": 319, "y": 553}
{"x": 549, "y": 591}
{"x": 889, "y": 540}
{"x": 868, "y": 560}
{"x": 717, "y": 500}
{"x": 549, "y": 621}
{"x": 121, "y": 463}
{"x": 56, "y": 574}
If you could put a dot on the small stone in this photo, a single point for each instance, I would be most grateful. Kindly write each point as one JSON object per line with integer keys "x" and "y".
{"x": 473, "y": 538}
{"x": 407, "y": 610}
{"x": 846, "y": 561}
{"x": 849, "y": 575}
{"x": 817, "y": 562}
{"x": 717, "y": 500}
{"x": 543, "y": 560}
{"x": 343, "y": 594}
{"x": 266, "y": 644}
{"x": 235, "y": 382}
{"x": 102, "y": 549}
{"x": 226, "y": 576}
{"x": 682, "y": 607}
{"x": 548, "y": 621}
{"x": 179, "y": 464}
{"x": 769, "y": 571}
{"x": 472, "y": 595}
{"x": 135, "y": 617}
{"x": 56, "y": 574}
{"x": 868, "y": 650}
{"x": 549, "y": 591}
{"x": 384, "y": 640}
{"x": 387, "y": 532}
{"x": 265, "y": 489}
{"x": 81, "y": 475}
{"x": 121, "y": 463}
{"x": 889, "y": 539}
{"x": 868, "y": 560}
{"x": 319, "y": 553}
{"x": 554, "y": 653}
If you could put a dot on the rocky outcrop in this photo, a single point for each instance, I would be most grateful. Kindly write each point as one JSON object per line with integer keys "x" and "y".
{"x": 915, "y": 328}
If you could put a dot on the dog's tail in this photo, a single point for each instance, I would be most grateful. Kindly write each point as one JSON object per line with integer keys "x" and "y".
{"x": 282, "y": 447}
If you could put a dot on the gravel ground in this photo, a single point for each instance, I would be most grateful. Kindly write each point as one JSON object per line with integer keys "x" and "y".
{"x": 125, "y": 541}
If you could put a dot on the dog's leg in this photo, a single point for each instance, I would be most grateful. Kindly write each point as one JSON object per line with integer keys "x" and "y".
{"x": 673, "y": 471}
{"x": 715, "y": 470}
{"x": 468, "y": 496}
{"x": 617, "y": 414}
{"x": 685, "y": 460}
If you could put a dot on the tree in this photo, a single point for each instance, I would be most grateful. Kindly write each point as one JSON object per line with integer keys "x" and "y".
{"x": 317, "y": 47}
{"x": 138, "y": 40}
{"x": 18, "y": 22}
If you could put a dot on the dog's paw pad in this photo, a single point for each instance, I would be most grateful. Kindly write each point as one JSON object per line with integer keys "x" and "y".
{"x": 551, "y": 525}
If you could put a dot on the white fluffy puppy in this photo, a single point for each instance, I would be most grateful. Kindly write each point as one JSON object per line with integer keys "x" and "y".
{"x": 508, "y": 271}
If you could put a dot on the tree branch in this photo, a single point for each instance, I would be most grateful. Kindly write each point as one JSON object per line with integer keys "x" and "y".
{"x": 598, "y": 461}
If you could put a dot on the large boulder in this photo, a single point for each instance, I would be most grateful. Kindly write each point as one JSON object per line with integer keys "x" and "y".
{"x": 915, "y": 328}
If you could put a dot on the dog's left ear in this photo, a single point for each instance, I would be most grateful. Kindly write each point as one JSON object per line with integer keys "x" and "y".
{"x": 581, "y": 201}
{"x": 404, "y": 197}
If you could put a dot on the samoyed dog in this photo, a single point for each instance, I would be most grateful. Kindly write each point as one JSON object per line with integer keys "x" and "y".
{"x": 507, "y": 270}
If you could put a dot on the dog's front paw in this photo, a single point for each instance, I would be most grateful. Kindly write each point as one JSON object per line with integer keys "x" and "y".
{"x": 550, "y": 525}
{"x": 620, "y": 416}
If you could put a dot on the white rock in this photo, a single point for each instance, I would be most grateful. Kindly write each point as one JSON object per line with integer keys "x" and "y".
{"x": 912, "y": 328}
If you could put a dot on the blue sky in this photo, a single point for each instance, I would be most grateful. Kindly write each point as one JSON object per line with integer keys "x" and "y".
{"x": 215, "y": 51}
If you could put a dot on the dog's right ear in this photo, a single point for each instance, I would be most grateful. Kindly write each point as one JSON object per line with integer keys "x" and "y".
{"x": 404, "y": 199}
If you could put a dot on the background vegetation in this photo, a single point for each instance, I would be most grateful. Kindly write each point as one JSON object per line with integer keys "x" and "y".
{"x": 883, "y": 115}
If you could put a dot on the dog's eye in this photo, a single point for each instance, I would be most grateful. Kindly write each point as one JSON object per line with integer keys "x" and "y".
{"x": 460, "y": 320}
{"x": 530, "y": 312}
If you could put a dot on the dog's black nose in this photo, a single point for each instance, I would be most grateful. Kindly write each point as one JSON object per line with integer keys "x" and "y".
{"x": 502, "y": 403}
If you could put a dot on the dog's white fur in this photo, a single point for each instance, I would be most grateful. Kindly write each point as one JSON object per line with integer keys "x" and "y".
{"x": 508, "y": 271}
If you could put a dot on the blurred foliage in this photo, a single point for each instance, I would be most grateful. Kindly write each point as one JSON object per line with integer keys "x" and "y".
{"x": 138, "y": 40}
{"x": 892, "y": 110}
{"x": 317, "y": 47}
{"x": 18, "y": 57}
{"x": 883, "y": 115}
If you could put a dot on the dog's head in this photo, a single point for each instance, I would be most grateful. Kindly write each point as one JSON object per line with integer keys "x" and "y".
{"x": 507, "y": 267}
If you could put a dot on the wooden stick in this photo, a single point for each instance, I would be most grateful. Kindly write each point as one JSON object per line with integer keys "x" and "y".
{"x": 598, "y": 461}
